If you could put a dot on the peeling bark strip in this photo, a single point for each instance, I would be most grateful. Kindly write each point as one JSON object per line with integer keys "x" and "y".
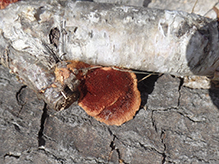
{"x": 145, "y": 39}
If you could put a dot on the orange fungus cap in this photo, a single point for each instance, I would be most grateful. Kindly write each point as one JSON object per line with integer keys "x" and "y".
{"x": 109, "y": 95}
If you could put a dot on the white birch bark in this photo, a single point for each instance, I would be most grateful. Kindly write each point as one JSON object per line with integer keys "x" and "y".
{"x": 145, "y": 39}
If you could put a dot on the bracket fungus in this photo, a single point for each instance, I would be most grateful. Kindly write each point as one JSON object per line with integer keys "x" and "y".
{"x": 109, "y": 95}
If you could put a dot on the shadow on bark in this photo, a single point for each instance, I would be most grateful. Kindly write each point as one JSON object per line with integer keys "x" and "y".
{"x": 214, "y": 94}
{"x": 146, "y": 3}
{"x": 146, "y": 87}
{"x": 41, "y": 140}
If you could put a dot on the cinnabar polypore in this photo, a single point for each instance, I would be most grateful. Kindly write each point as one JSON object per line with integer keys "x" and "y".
{"x": 109, "y": 95}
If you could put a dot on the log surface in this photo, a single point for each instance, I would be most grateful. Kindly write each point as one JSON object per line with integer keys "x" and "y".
{"x": 164, "y": 41}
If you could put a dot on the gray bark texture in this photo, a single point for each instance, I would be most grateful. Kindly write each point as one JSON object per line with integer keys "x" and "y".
{"x": 174, "y": 125}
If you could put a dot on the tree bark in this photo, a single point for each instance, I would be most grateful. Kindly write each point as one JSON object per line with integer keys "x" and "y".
{"x": 179, "y": 125}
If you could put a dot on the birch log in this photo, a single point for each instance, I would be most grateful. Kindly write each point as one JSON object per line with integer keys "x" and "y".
{"x": 164, "y": 41}
{"x": 145, "y": 39}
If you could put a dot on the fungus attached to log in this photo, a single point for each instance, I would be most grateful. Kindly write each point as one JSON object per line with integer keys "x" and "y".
{"x": 109, "y": 95}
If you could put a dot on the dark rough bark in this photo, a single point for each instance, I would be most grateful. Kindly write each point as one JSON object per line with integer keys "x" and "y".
{"x": 179, "y": 125}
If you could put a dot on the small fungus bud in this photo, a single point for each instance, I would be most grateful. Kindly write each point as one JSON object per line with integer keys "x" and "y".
{"x": 5, "y": 3}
